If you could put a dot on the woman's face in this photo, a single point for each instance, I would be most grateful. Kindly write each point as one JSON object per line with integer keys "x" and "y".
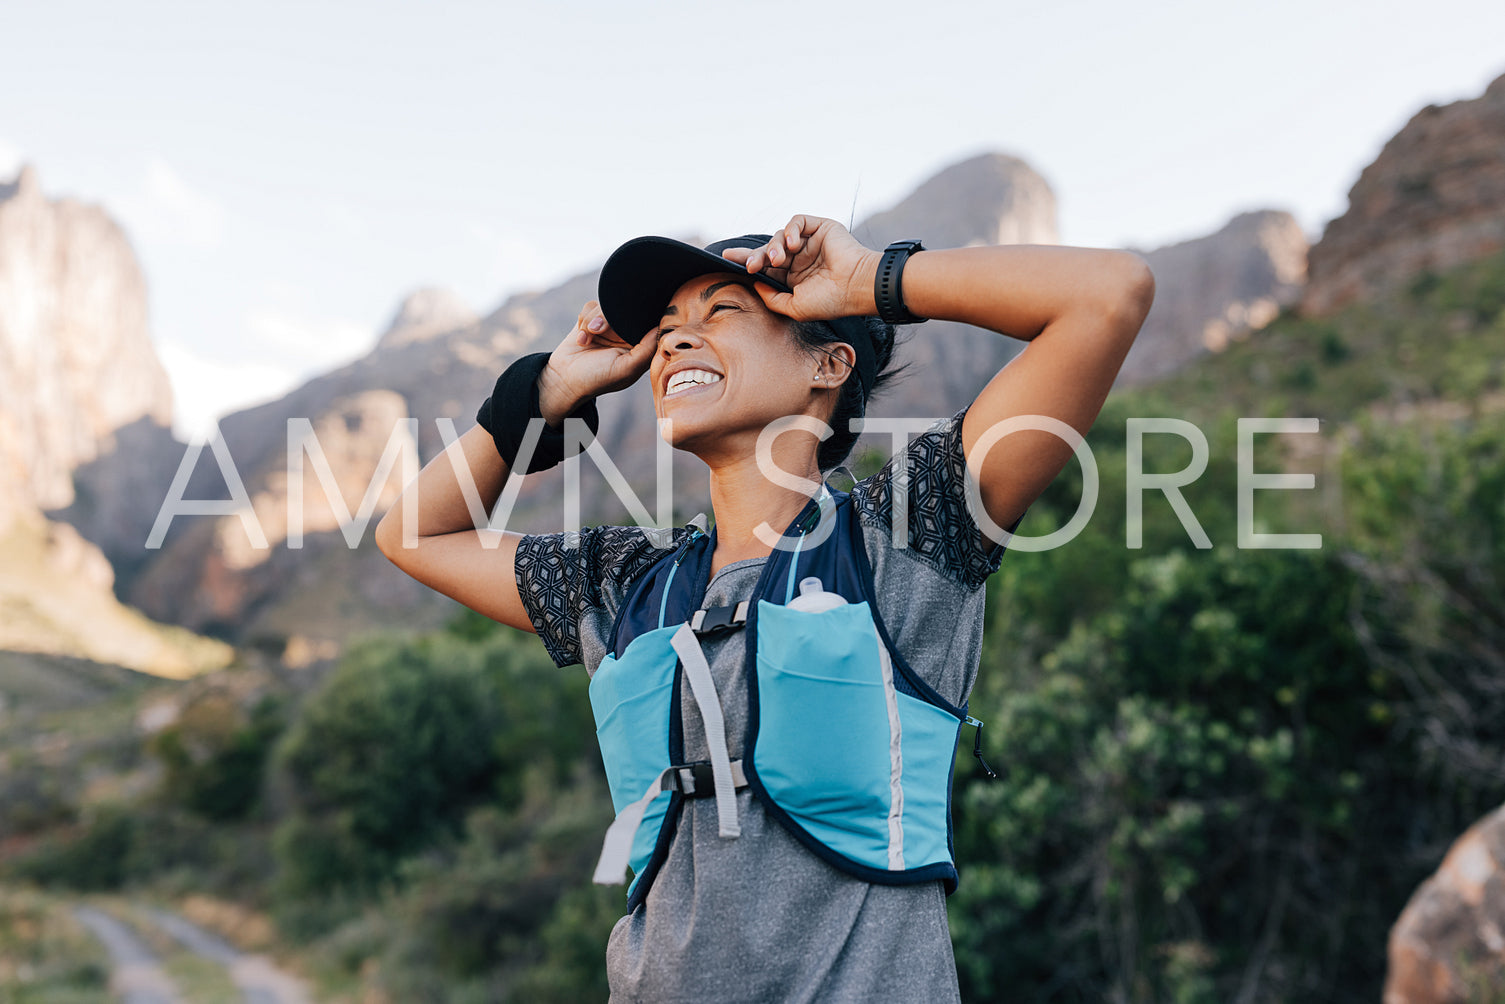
{"x": 726, "y": 366}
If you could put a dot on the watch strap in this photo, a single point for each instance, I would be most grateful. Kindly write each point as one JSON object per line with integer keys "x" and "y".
{"x": 888, "y": 285}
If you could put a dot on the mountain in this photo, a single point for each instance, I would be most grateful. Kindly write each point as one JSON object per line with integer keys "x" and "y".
{"x": 79, "y": 381}
{"x": 424, "y": 314}
{"x": 437, "y": 360}
{"x": 1433, "y": 198}
{"x": 76, "y": 360}
{"x": 1214, "y": 289}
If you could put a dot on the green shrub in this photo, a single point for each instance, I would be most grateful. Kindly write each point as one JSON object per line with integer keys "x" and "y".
{"x": 214, "y": 755}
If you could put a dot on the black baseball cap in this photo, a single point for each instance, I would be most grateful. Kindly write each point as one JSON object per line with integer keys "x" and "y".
{"x": 642, "y": 276}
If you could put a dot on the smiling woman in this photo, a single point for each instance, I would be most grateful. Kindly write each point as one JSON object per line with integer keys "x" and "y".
{"x": 779, "y": 701}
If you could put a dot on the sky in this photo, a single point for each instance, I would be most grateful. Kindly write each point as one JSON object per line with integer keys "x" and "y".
{"x": 288, "y": 172}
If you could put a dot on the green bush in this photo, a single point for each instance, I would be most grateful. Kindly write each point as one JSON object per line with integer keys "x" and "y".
{"x": 1167, "y": 767}
{"x": 214, "y": 755}
{"x": 118, "y": 845}
{"x": 404, "y": 737}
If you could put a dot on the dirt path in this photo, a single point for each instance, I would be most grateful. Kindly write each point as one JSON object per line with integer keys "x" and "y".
{"x": 259, "y": 980}
{"x": 135, "y": 976}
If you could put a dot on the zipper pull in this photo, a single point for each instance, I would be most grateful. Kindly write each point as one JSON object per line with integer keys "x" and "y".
{"x": 977, "y": 744}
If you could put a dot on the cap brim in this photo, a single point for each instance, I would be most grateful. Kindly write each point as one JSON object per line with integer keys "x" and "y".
{"x": 642, "y": 276}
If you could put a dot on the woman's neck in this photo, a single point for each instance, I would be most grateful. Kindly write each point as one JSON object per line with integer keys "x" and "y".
{"x": 743, "y": 499}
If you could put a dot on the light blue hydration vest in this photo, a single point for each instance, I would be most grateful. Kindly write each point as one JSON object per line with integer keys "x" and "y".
{"x": 846, "y": 746}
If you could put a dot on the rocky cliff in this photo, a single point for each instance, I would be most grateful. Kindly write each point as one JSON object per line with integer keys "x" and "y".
{"x": 425, "y": 314}
{"x": 79, "y": 381}
{"x": 436, "y": 361}
{"x": 1432, "y": 199}
{"x": 1217, "y": 288}
{"x": 76, "y": 361}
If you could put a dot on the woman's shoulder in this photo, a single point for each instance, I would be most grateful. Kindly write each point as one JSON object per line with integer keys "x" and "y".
{"x": 919, "y": 502}
{"x": 596, "y": 556}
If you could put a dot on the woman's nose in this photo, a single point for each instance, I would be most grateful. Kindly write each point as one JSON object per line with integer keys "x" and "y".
{"x": 681, "y": 339}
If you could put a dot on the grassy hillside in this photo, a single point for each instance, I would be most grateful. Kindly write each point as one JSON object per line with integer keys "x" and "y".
{"x": 1436, "y": 345}
{"x": 1222, "y": 771}
{"x": 55, "y": 598}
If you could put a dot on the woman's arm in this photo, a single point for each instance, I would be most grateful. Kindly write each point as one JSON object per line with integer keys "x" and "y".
{"x": 1079, "y": 308}
{"x": 450, "y": 554}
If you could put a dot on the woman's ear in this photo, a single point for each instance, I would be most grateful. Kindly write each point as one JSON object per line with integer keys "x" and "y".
{"x": 832, "y": 365}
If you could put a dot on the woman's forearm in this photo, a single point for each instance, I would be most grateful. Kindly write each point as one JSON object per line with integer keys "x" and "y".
{"x": 436, "y": 495}
{"x": 1020, "y": 289}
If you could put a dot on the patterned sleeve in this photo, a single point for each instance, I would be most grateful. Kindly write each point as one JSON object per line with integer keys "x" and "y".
{"x": 561, "y": 575}
{"x": 942, "y": 531}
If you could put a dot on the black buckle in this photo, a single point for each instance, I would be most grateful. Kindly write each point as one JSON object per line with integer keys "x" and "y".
{"x": 713, "y": 622}
{"x": 692, "y": 780}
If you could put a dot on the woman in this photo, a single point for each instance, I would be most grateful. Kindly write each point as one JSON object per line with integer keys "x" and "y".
{"x": 809, "y": 659}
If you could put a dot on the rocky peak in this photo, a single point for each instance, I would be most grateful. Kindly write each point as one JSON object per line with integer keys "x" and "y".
{"x": 25, "y": 186}
{"x": 1215, "y": 289}
{"x": 425, "y": 313}
{"x": 1433, "y": 198}
{"x": 76, "y": 362}
{"x": 992, "y": 198}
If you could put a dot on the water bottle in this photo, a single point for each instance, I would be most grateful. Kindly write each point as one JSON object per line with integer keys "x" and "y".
{"x": 814, "y": 599}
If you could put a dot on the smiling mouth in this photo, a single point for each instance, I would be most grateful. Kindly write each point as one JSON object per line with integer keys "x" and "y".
{"x": 690, "y": 379}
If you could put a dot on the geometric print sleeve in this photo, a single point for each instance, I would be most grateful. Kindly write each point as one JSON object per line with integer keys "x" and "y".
{"x": 941, "y": 529}
{"x": 560, "y": 575}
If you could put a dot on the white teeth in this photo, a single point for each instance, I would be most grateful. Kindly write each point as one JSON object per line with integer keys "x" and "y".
{"x": 690, "y": 378}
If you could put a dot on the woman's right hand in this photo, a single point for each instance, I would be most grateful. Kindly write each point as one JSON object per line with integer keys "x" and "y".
{"x": 592, "y": 360}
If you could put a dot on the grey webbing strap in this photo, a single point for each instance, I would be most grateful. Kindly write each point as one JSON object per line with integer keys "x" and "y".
{"x": 616, "y": 848}
{"x": 699, "y": 671}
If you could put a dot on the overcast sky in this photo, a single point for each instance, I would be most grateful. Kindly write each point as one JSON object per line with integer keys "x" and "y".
{"x": 289, "y": 171}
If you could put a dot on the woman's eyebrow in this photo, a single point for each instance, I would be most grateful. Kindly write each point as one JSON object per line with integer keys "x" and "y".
{"x": 705, "y": 294}
{"x": 711, "y": 290}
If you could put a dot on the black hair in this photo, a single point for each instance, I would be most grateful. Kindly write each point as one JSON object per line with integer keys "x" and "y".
{"x": 851, "y": 403}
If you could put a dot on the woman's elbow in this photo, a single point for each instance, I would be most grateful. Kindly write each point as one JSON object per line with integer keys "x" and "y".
{"x": 388, "y": 534}
{"x": 1133, "y": 291}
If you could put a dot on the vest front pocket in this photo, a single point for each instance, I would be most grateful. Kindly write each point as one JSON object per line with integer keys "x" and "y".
{"x": 822, "y": 751}
{"x": 631, "y": 699}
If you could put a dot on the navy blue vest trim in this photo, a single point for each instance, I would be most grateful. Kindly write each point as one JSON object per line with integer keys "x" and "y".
{"x": 666, "y": 833}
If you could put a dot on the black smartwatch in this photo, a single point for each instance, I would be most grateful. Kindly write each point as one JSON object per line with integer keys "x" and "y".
{"x": 888, "y": 286}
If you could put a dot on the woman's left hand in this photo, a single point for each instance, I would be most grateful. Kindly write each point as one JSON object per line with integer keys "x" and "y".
{"x": 830, "y": 271}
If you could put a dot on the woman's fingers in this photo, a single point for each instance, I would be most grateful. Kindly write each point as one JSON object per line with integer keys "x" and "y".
{"x": 592, "y": 329}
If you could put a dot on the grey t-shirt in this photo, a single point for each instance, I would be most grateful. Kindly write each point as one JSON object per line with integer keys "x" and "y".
{"x": 759, "y": 917}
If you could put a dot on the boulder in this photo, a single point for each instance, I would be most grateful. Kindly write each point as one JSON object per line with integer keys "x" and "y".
{"x": 1448, "y": 947}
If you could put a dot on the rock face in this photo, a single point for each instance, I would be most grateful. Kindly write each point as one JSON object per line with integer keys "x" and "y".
{"x": 1448, "y": 947}
{"x": 1217, "y": 288}
{"x": 79, "y": 381}
{"x": 210, "y": 574}
{"x": 76, "y": 362}
{"x": 424, "y": 314}
{"x": 435, "y": 362}
{"x": 1432, "y": 199}
{"x": 989, "y": 199}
